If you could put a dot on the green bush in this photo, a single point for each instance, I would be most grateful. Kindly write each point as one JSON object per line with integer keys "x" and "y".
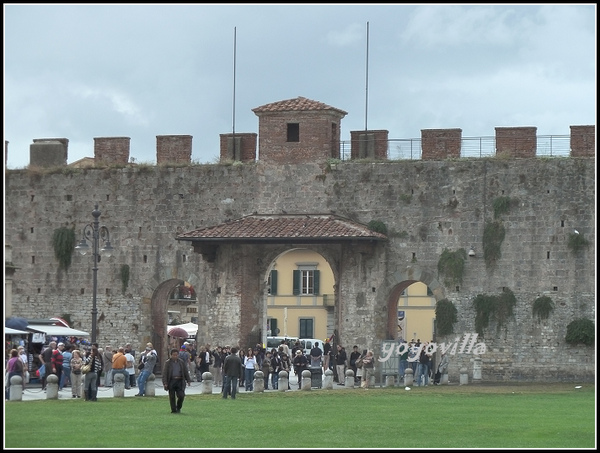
{"x": 577, "y": 242}
{"x": 452, "y": 266}
{"x": 124, "y": 277}
{"x": 501, "y": 206}
{"x": 581, "y": 331}
{"x": 501, "y": 308}
{"x": 445, "y": 317}
{"x": 542, "y": 307}
{"x": 493, "y": 236}
{"x": 63, "y": 242}
{"x": 378, "y": 226}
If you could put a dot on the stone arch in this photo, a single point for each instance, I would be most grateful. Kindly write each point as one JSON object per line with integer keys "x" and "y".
{"x": 158, "y": 316}
{"x": 401, "y": 280}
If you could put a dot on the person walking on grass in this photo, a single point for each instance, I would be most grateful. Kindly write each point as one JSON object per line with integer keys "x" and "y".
{"x": 175, "y": 376}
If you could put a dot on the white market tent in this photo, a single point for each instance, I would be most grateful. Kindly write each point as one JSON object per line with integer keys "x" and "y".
{"x": 11, "y": 331}
{"x": 189, "y": 327}
{"x": 57, "y": 331}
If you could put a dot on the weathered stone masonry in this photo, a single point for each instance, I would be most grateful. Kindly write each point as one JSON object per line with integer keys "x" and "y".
{"x": 146, "y": 207}
{"x": 440, "y": 202}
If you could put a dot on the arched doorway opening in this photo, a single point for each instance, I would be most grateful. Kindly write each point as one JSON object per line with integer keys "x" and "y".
{"x": 166, "y": 308}
{"x": 300, "y": 295}
{"x": 411, "y": 305}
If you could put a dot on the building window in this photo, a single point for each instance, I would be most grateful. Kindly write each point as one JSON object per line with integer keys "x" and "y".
{"x": 306, "y": 328}
{"x": 293, "y": 132}
{"x": 306, "y": 282}
{"x": 272, "y": 283}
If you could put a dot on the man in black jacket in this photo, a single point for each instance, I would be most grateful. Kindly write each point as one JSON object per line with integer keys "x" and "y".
{"x": 340, "y": 363}
{"x": 174, "y": 376}
{"x": 232, "y": 370}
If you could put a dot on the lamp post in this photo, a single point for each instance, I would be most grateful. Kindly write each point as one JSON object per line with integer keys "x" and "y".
{"x": 94, "y": 232}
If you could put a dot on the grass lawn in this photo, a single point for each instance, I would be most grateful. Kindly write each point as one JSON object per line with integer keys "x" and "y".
{"x": 471, "y": 416}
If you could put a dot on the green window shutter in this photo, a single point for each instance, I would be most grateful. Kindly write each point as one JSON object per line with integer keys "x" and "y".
{"x": 273, "y": 282}
{"x": 316, "y": 275}
{"x": 274, "y": 330}
{"x": 297, "y": 275}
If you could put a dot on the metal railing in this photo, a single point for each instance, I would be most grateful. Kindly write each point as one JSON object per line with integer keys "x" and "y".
{"x": 411, "y": 149}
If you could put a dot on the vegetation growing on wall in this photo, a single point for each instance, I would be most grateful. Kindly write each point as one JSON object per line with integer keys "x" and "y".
{"x": 452, "y": 266}
{"x": 500, "y": 308}
{"x": 63, "y": 242}
{"x": 581, "y": 331}
{"x": 577, "y": 242}
{"x": 501, "y": 206}
{"x": 378, "y": 226}
{"x": 124, "y": 277}
{"x": 406, "y": 198}
{"x": 542, "y": 307}
{"x": 445, "y": 316}
{"x": 493, "y": 236}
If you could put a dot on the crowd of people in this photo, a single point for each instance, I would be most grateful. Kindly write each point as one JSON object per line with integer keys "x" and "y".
{"x": 231, "y": 367}
{"x": 418, "y": 357}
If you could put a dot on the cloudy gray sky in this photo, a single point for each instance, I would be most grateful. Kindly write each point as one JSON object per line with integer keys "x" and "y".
{"x": 138, "y": 71}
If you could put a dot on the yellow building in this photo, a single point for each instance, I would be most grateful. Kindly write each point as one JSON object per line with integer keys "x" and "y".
{"x": 300, "y": 298}
{"x": 300, "y": 301}
{"x": 416, "y": 313}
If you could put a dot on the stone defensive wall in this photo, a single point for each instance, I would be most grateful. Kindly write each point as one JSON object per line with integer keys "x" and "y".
{"x": 440, "y": 202}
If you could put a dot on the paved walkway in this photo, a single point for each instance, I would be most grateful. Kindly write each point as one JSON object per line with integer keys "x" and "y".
{"x": 34, "y": 392}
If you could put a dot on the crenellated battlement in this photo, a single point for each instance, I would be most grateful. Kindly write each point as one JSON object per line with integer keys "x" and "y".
{"x": 301, "y": 131}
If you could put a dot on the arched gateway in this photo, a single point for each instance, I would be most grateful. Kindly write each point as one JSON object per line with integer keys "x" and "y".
{"x": 246, "y": 247}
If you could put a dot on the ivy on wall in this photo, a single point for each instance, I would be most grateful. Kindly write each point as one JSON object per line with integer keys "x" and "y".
{"x": 124, "y": 277}
{"x": 452, "y": 266}
{"x": 378, "y": 226}
{"x": 445, "y": 317}
{"x": 542, "y": 307}
{"x": 63, "y": 243}
{"x": 577, "y": 242}
{"x": 493, "y": 236}
{"x": 494, "y": 232}
{"x": 501, "y": 206}
{"x": 500, "y": 308}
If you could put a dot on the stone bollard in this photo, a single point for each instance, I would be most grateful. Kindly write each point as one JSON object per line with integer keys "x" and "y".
{"x": 151, "y": 385}
{"x": 119, "y": 385}
{"x": 16, "y": 388}
{"x": 259, "y": 381}
{"x": 306, "y": 382}
{"x": 328, "y": 380}
{"x": 349, "y": 381}
{"x": 444, "y": 379}
{"x": 283, "y": 381}
{"x": 408, "y": 377}
{"x": 477, "y": 370}
{"x": 464, "y": 377}
{"x": 207, "y": 383}
{"x": 52, "y": 387}
{"x": 390, "y": 381}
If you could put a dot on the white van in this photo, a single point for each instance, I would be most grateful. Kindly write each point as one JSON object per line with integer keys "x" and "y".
{"x": 309, "y": 343}
{"x": 275, "y": 342}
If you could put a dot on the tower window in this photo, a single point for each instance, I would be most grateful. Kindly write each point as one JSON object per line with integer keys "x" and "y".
{"x": 293, "y": 132}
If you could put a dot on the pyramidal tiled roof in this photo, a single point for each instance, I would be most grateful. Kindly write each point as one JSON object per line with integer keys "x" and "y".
{"x": 294, "y": 105}
{"x": 275, "y": 228}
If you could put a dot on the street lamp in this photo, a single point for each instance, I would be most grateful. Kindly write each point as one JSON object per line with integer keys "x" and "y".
{"x": 94, "y": 232}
